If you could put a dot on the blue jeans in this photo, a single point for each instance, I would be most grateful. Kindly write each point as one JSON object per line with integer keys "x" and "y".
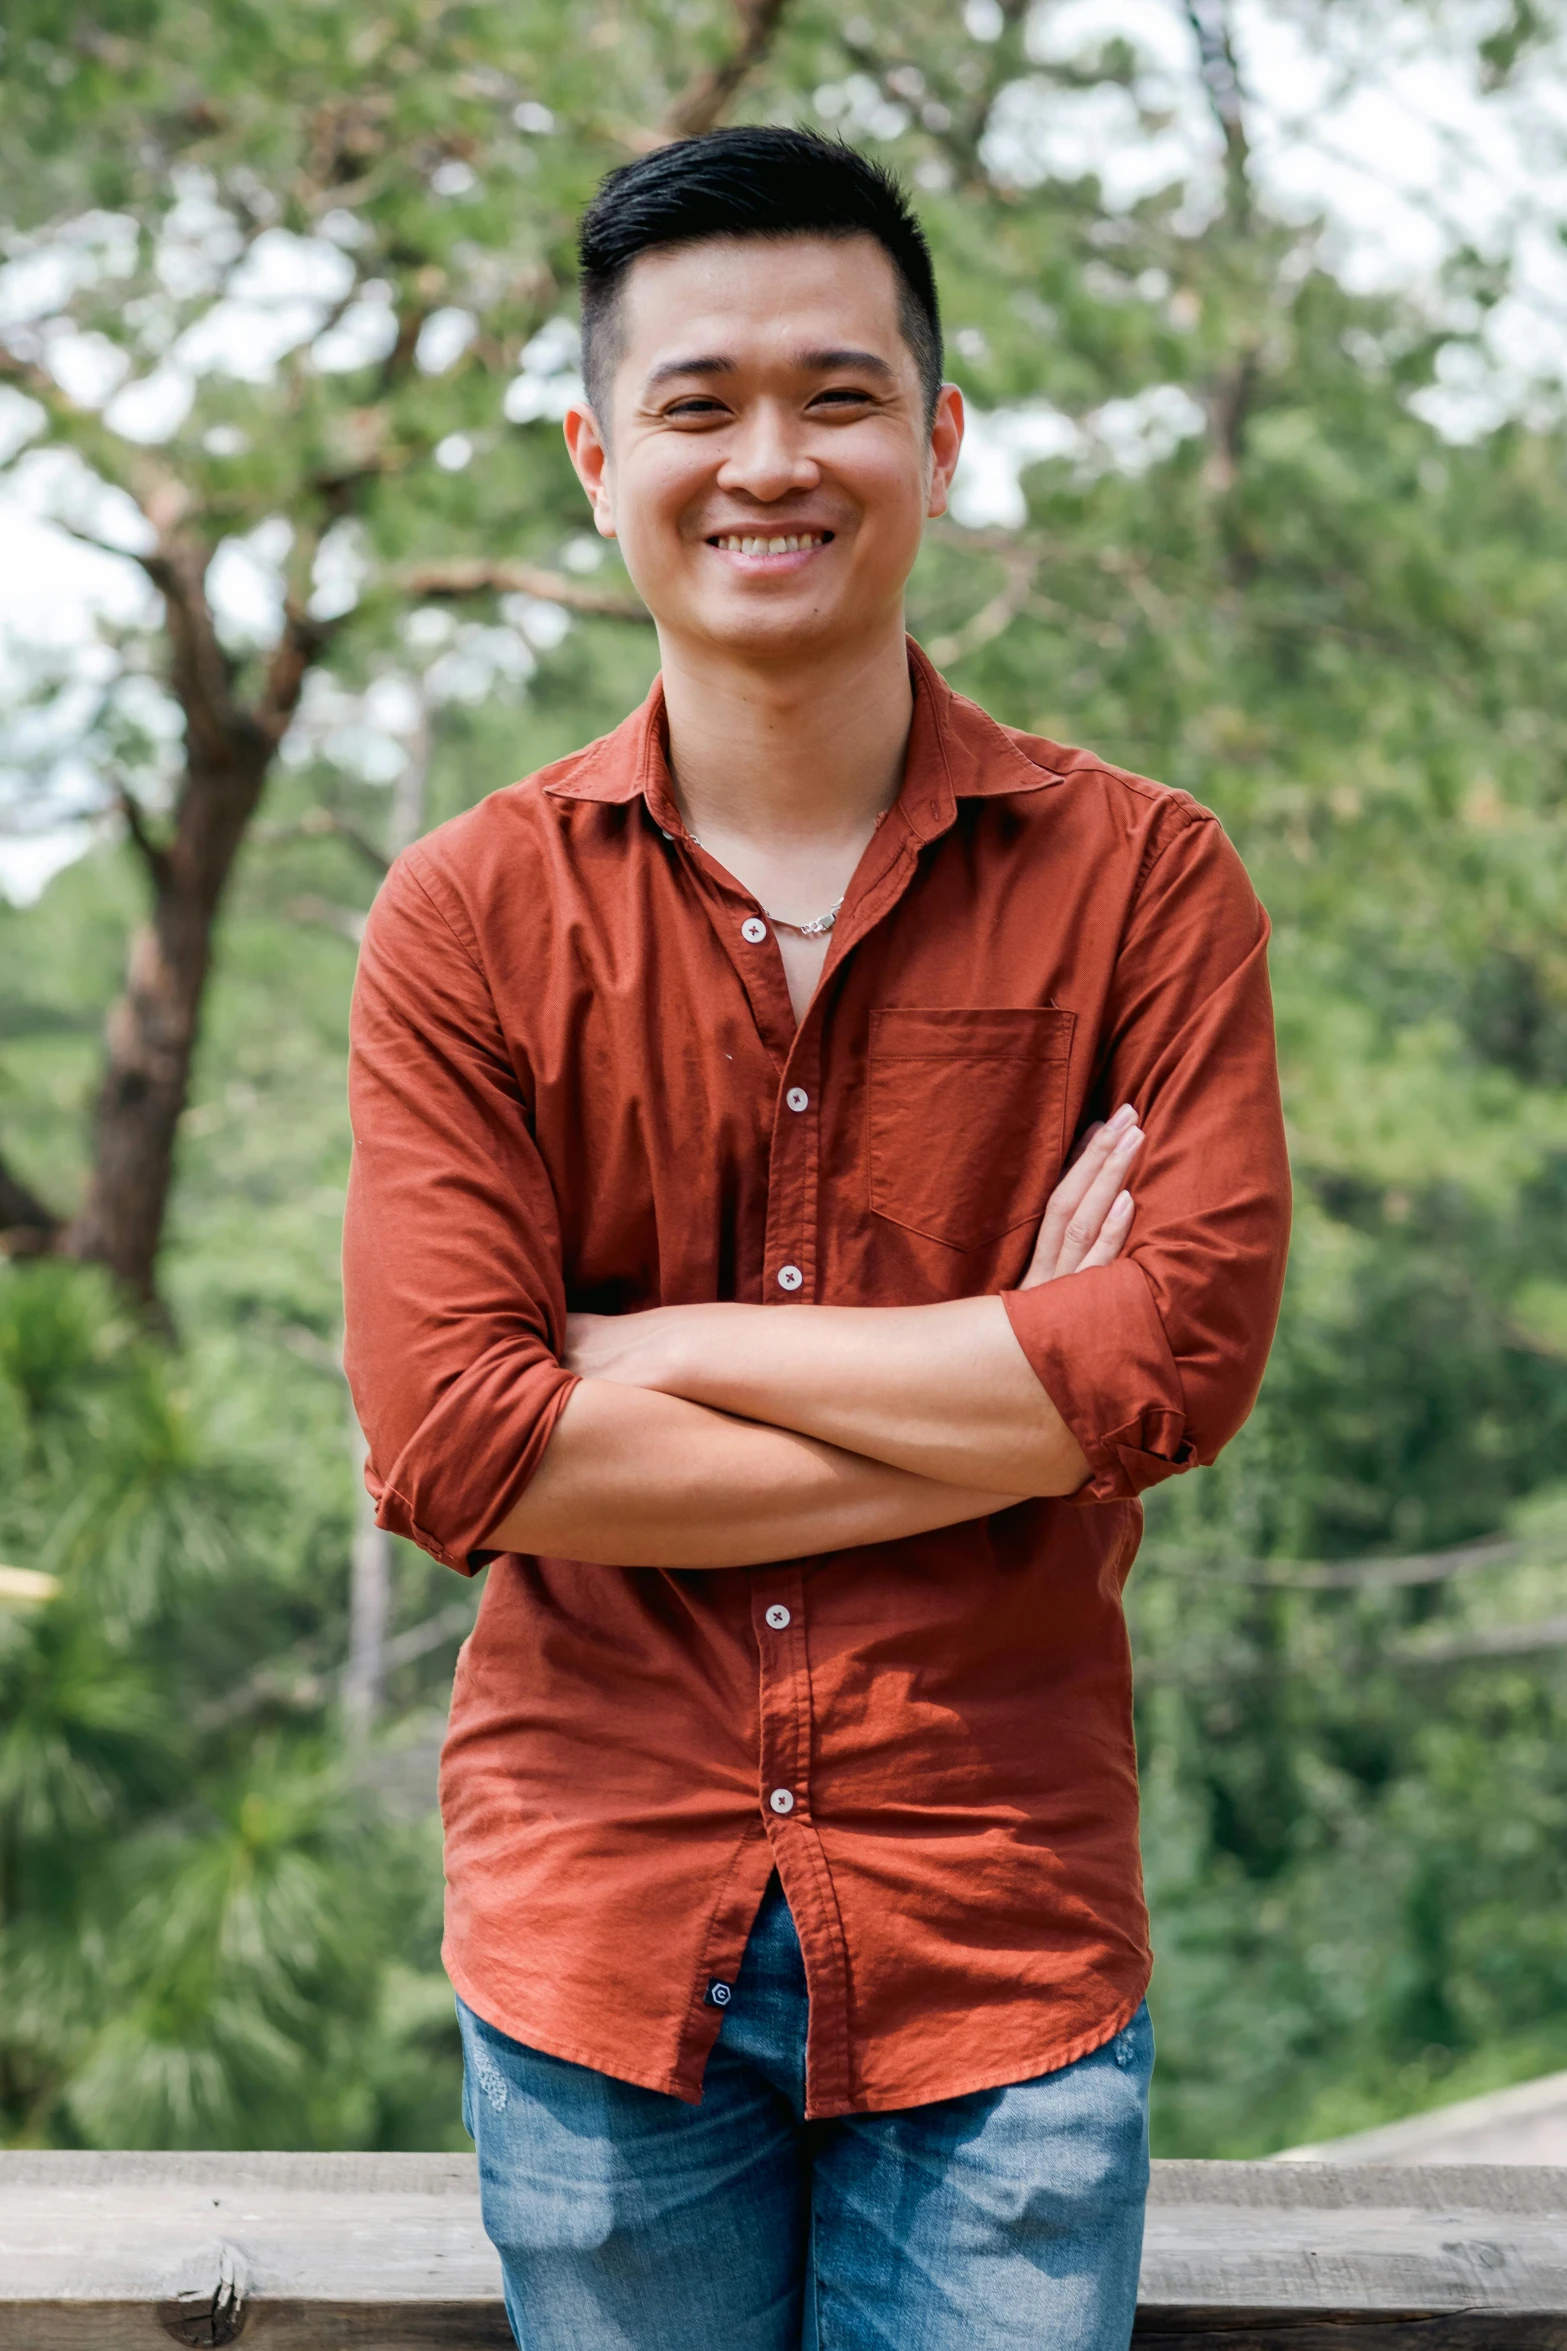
{"x": 629, "y": 2221}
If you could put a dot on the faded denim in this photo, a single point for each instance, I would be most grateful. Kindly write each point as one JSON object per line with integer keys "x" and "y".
{"x": 629, "y": 2221}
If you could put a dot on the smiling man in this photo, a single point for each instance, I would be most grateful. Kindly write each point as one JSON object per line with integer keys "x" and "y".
{"x": 741, "y": 1256}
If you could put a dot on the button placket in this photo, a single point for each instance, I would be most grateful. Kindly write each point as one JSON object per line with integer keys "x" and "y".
{"x": 793, "y": 1169}
{"x": 783, "y": 1744}
{"x": 789, "y": 1232}
{"x": 787, "y": 1749}
{"x": 748, "y": 945}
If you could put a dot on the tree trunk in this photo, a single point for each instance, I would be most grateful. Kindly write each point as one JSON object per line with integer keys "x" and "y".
{"x": 154, "y": 1025}
{"x": 153, "y": 1028}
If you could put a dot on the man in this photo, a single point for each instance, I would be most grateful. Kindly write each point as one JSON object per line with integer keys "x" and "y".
{"x": 719, "y": 1267}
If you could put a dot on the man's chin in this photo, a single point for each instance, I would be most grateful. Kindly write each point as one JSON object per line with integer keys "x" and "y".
{"x": 747, "y": 628}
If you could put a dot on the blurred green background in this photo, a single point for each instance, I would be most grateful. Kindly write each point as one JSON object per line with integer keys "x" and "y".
{"x": 285, "y": 309}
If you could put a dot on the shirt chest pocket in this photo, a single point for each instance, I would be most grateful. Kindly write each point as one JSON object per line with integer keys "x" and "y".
{"x": 967, "y": 1118}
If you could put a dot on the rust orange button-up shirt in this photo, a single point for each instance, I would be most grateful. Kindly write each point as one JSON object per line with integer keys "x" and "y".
{"x": 577, "y": 1084}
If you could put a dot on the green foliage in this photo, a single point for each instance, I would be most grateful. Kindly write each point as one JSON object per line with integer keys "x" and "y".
{"x": 217, "y": 1925}
{"x": 211, "y": 1932}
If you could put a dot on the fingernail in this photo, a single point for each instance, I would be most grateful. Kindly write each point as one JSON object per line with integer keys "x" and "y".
{"x": 1121, "y": 1205}
{"x": 1129, "y": 1142}
{"x": 1123, "y": 1118}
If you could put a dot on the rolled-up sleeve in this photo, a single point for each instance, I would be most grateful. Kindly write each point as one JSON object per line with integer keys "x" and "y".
{"x": 1154, "y": 1362}
{"x": 453, "y": 1298}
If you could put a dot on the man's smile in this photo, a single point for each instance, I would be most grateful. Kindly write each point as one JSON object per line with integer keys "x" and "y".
{"x": 773, "y": 550}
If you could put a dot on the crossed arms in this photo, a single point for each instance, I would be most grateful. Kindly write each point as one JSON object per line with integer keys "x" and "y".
{"x": 728, "y": 1436}
{"x": 715, "y": 1435}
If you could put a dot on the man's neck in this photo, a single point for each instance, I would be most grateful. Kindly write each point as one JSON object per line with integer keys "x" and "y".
{"x": 790, "y": 757}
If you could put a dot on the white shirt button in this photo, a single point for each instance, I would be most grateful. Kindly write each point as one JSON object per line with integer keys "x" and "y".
{"x": 753, "y": 931}
{"x": 797, "y": 1098}
{"x": 778, "y": 1616}
{"x": 789, "y": 1277}
{"x": 781, "y": 1800}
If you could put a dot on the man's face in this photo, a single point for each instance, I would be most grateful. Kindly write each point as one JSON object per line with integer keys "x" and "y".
{"x": 769, "y": 467}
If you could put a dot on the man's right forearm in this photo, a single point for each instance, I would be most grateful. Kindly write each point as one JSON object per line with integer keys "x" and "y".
{"x": 631, "y": 1478}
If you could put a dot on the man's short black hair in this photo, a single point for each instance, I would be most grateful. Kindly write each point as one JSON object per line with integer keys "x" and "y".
{"x": 750, "y": 182}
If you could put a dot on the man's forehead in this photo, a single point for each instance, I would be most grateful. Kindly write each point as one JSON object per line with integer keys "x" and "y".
{"x": 733, "y": 295}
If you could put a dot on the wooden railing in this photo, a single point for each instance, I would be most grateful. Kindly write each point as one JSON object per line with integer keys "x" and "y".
{"x": 385, "y": 2253}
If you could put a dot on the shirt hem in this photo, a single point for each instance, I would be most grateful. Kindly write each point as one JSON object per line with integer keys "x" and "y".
{"x": 1008, "y": 2076}
{"x": 550, "y": 2044}
{"x": 1014, "y": 2070}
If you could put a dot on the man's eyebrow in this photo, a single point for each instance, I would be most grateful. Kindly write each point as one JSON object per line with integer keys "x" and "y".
{"x": 706, "y": 364}
{"x": 824, "y": 362}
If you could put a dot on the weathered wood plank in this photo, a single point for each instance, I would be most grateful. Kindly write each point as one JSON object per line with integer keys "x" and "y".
{"x": 267, "y": 2326}
{"x": 303, "y": 2252}
{"x": 123, "y": 2251}
{"x": 414, "y": 2175}
{"x": 1347, "y": 2330}
{"x": 1357, "y": 2237}
{"x": 272, "y": 2326}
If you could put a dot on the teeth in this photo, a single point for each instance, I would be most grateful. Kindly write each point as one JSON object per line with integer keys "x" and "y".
{"x": 734, "y": 543}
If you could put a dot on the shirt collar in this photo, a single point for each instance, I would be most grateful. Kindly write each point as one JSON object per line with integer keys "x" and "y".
{"x": 956, "y": 752}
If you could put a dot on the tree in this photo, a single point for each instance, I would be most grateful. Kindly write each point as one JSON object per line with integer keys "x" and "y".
{"x": 1241, "y": 556}
{"x": 202, "y": 158}
{"x": 285, "y": 282}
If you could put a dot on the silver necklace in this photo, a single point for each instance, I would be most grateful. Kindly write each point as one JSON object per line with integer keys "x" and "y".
{"x": 802, "y": 930}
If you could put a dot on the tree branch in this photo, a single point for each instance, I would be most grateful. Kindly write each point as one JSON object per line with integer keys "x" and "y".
{"x": 304, "y": 1690}
{"x": 119, "y": 462}
{"x": 1522, "y": 1640}
{"x": 464, "y": 575}
{"x": 1412, "y": 1654}
{"x": 1211, "y": 28}
{"x": 707, "y": 96}
{"x": 27, "y": 1227}
{"x": 968, "y": 109}
{"x": 994, "y": 618}
{"x": 200, "y": 672}
{"x": 299, "y": 646}
{"x": 327, "y": 820}
{"x": 1232, "y": 392}
{"x": 317, "y": 823}
{"x": 153, "y": 854}
{"x": 1344, "y": 1575}
{"x": 347, "y": 921}
{"x": 90, "y": 539}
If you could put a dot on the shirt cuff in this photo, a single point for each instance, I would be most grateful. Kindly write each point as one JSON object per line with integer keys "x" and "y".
{"x": 470, "y": 1462}
{"x": 1097, "y": 1347}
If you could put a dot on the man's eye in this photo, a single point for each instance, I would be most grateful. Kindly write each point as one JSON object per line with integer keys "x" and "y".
{"x": 841, "y": 396}
{"x": 695, "y": 408}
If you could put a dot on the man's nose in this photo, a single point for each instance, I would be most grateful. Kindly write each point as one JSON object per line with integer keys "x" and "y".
{"x": 767, "y": 457}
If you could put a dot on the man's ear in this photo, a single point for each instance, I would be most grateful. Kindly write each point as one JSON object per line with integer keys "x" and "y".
{"x": 946, "y": 440}
{"x": 589, "y": 454}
